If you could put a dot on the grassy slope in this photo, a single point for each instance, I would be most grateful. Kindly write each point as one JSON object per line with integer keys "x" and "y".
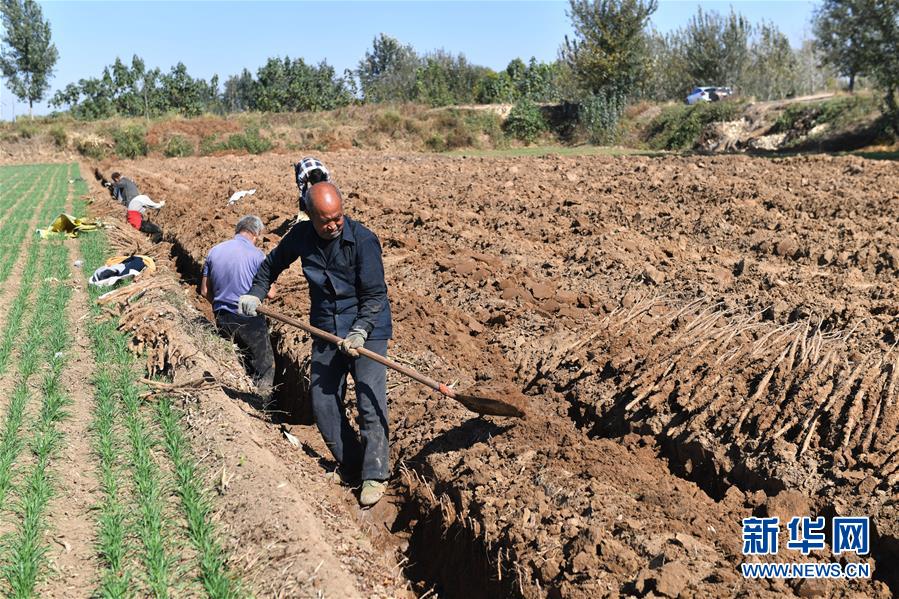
{"x": 408, "y": 127}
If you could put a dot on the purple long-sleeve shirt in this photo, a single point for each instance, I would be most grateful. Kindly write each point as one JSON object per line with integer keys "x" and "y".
{"x": 230, "y": 268}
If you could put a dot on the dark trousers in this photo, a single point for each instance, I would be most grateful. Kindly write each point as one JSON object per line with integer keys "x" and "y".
{"x": 250, "y": 333}
{"x": 330, "y": 367}
{"x": 152, "y": 230}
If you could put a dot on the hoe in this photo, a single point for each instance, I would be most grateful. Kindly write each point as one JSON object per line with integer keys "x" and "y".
{"x": 511, "y": 404}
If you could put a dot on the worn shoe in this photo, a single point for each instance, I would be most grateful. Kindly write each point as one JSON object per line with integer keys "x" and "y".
{"x": 341, "y": 477}
{"x": 372, "y": 491}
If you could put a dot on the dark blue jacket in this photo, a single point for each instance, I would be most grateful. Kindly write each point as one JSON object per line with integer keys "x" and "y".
{"x": 346, "y": 292}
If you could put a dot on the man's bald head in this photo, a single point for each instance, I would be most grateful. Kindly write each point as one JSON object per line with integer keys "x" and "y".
{"x": 324, "y": 197}
{"x": 325, "y": 206}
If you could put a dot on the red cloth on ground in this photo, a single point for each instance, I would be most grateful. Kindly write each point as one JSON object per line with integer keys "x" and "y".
{"x": 135, "y": 219}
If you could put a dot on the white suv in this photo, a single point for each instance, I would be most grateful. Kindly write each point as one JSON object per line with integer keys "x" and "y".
{"x": 708, "y": 94}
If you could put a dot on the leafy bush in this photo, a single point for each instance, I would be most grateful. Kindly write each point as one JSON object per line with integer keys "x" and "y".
{"x": 25, "y": 129}
{"x": 837, "y": 111}
{"x": 249, "y": 140}
{"x": 178, "y": 146}
{"x": 452, "y": 128}
{"x": 487, "y": 122}
{"x": 599, "y": 115}
{"x": 388, "y": 122}
{"x": 91, "y": 146}
{"x": 130, "y": 142}
{"x": 525, "y": 121}
{"x": 436, "y": 143}
{"x": 59, "y": 136}
{"x": 209, "y": 144}
{"x": 678, "y": 127}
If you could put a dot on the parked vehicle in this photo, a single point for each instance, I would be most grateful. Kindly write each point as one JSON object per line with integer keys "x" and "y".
{"x": 708, "y": 94}
{"x": 720, "y": 93}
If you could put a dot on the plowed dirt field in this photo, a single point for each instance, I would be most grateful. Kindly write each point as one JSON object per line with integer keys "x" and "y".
{"x": 702, "y": 340}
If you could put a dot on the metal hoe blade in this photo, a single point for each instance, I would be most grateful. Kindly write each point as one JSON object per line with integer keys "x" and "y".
{"x": 511, "y": 405}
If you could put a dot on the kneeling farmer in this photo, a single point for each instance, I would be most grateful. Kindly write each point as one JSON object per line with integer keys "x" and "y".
{"x": 342, "y": 263}
{"x": 125, "y": 191}
{"x": 227, "y": 274}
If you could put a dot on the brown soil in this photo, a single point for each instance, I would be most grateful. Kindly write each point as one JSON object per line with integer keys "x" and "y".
{"x": 701, "y": 339}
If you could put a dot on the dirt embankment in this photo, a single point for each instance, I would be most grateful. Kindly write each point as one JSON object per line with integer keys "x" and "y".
{"x": 703, "y": 339}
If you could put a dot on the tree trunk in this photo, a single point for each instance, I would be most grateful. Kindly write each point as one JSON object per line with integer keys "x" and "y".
{"x": 851, "y": 82}
{"x": 30, "y": 115}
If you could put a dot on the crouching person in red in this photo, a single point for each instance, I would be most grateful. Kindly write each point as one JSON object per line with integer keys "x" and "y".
{"x": 125, "y": 191}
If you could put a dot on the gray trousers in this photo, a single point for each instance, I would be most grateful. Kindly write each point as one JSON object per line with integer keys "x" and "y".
{"x": 329, "y": 370}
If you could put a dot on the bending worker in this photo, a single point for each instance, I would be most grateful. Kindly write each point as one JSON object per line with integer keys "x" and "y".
{"x": 308, "y": 172}
{"x": 227, "y": 274}
{"x": 126, "y": 192}
{"x": 348, "y": 295}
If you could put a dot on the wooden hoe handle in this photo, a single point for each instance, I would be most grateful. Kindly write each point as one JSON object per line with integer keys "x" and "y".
{"x": 326, "y": 336}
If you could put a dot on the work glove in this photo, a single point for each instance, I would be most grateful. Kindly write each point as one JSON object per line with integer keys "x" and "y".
{"x": 352, "y": 342}
{"x": 161, "y": 204}
{"x": 247, "y": 304}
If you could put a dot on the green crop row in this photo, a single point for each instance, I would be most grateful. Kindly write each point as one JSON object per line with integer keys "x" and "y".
{"x": 127, "y": 438}
{"x": 25, "y": 551}
{"x": 42, "y": 350}
{"x": 17, "y": 223}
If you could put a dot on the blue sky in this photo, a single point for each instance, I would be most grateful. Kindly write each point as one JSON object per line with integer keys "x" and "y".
{"x": 224, "y": 37}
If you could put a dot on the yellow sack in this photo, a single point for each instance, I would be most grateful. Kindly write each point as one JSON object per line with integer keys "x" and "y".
{"x": 67, "y": 225}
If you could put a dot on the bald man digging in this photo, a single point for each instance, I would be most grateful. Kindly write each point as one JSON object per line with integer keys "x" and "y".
{"x": 342, "y": 263}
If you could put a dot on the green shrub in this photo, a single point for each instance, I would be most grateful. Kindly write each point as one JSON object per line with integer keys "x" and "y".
{"x": 178, "y": 146}
{"x": 461, "y": 138}
{"x": 525, "y": 121}
{"x": 91, "y": 146}
{"x": 25, "y": 130}
{"x": 388, "y": 122}
{"x": 486, "y": 122}
{"x": 600, "y": 115}
{"x": 836, "y": 111}
{"x": 130, "y": 142}
{"x": 249, "y": 140}
{"x": 679, "y": 127}
{"x": 436, "y": 143}
{"x": 413, "y": 126}
{"x": 209, "y": 144}
{"x": 59, "y": 136}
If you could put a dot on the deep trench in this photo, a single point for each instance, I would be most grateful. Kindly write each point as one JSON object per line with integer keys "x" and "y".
{"x": 690, "y": 461}
{"x": 449, "y": 561}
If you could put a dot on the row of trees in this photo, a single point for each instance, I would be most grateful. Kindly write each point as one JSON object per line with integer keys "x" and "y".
{"x": 613, "y": 57}
{"x": 393, "y": 72}
{"x": 281, "y": 85}
{"x": 137, "y": 91}
{"x": 389, "y": 72}
{"x": 715, "y": 49}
